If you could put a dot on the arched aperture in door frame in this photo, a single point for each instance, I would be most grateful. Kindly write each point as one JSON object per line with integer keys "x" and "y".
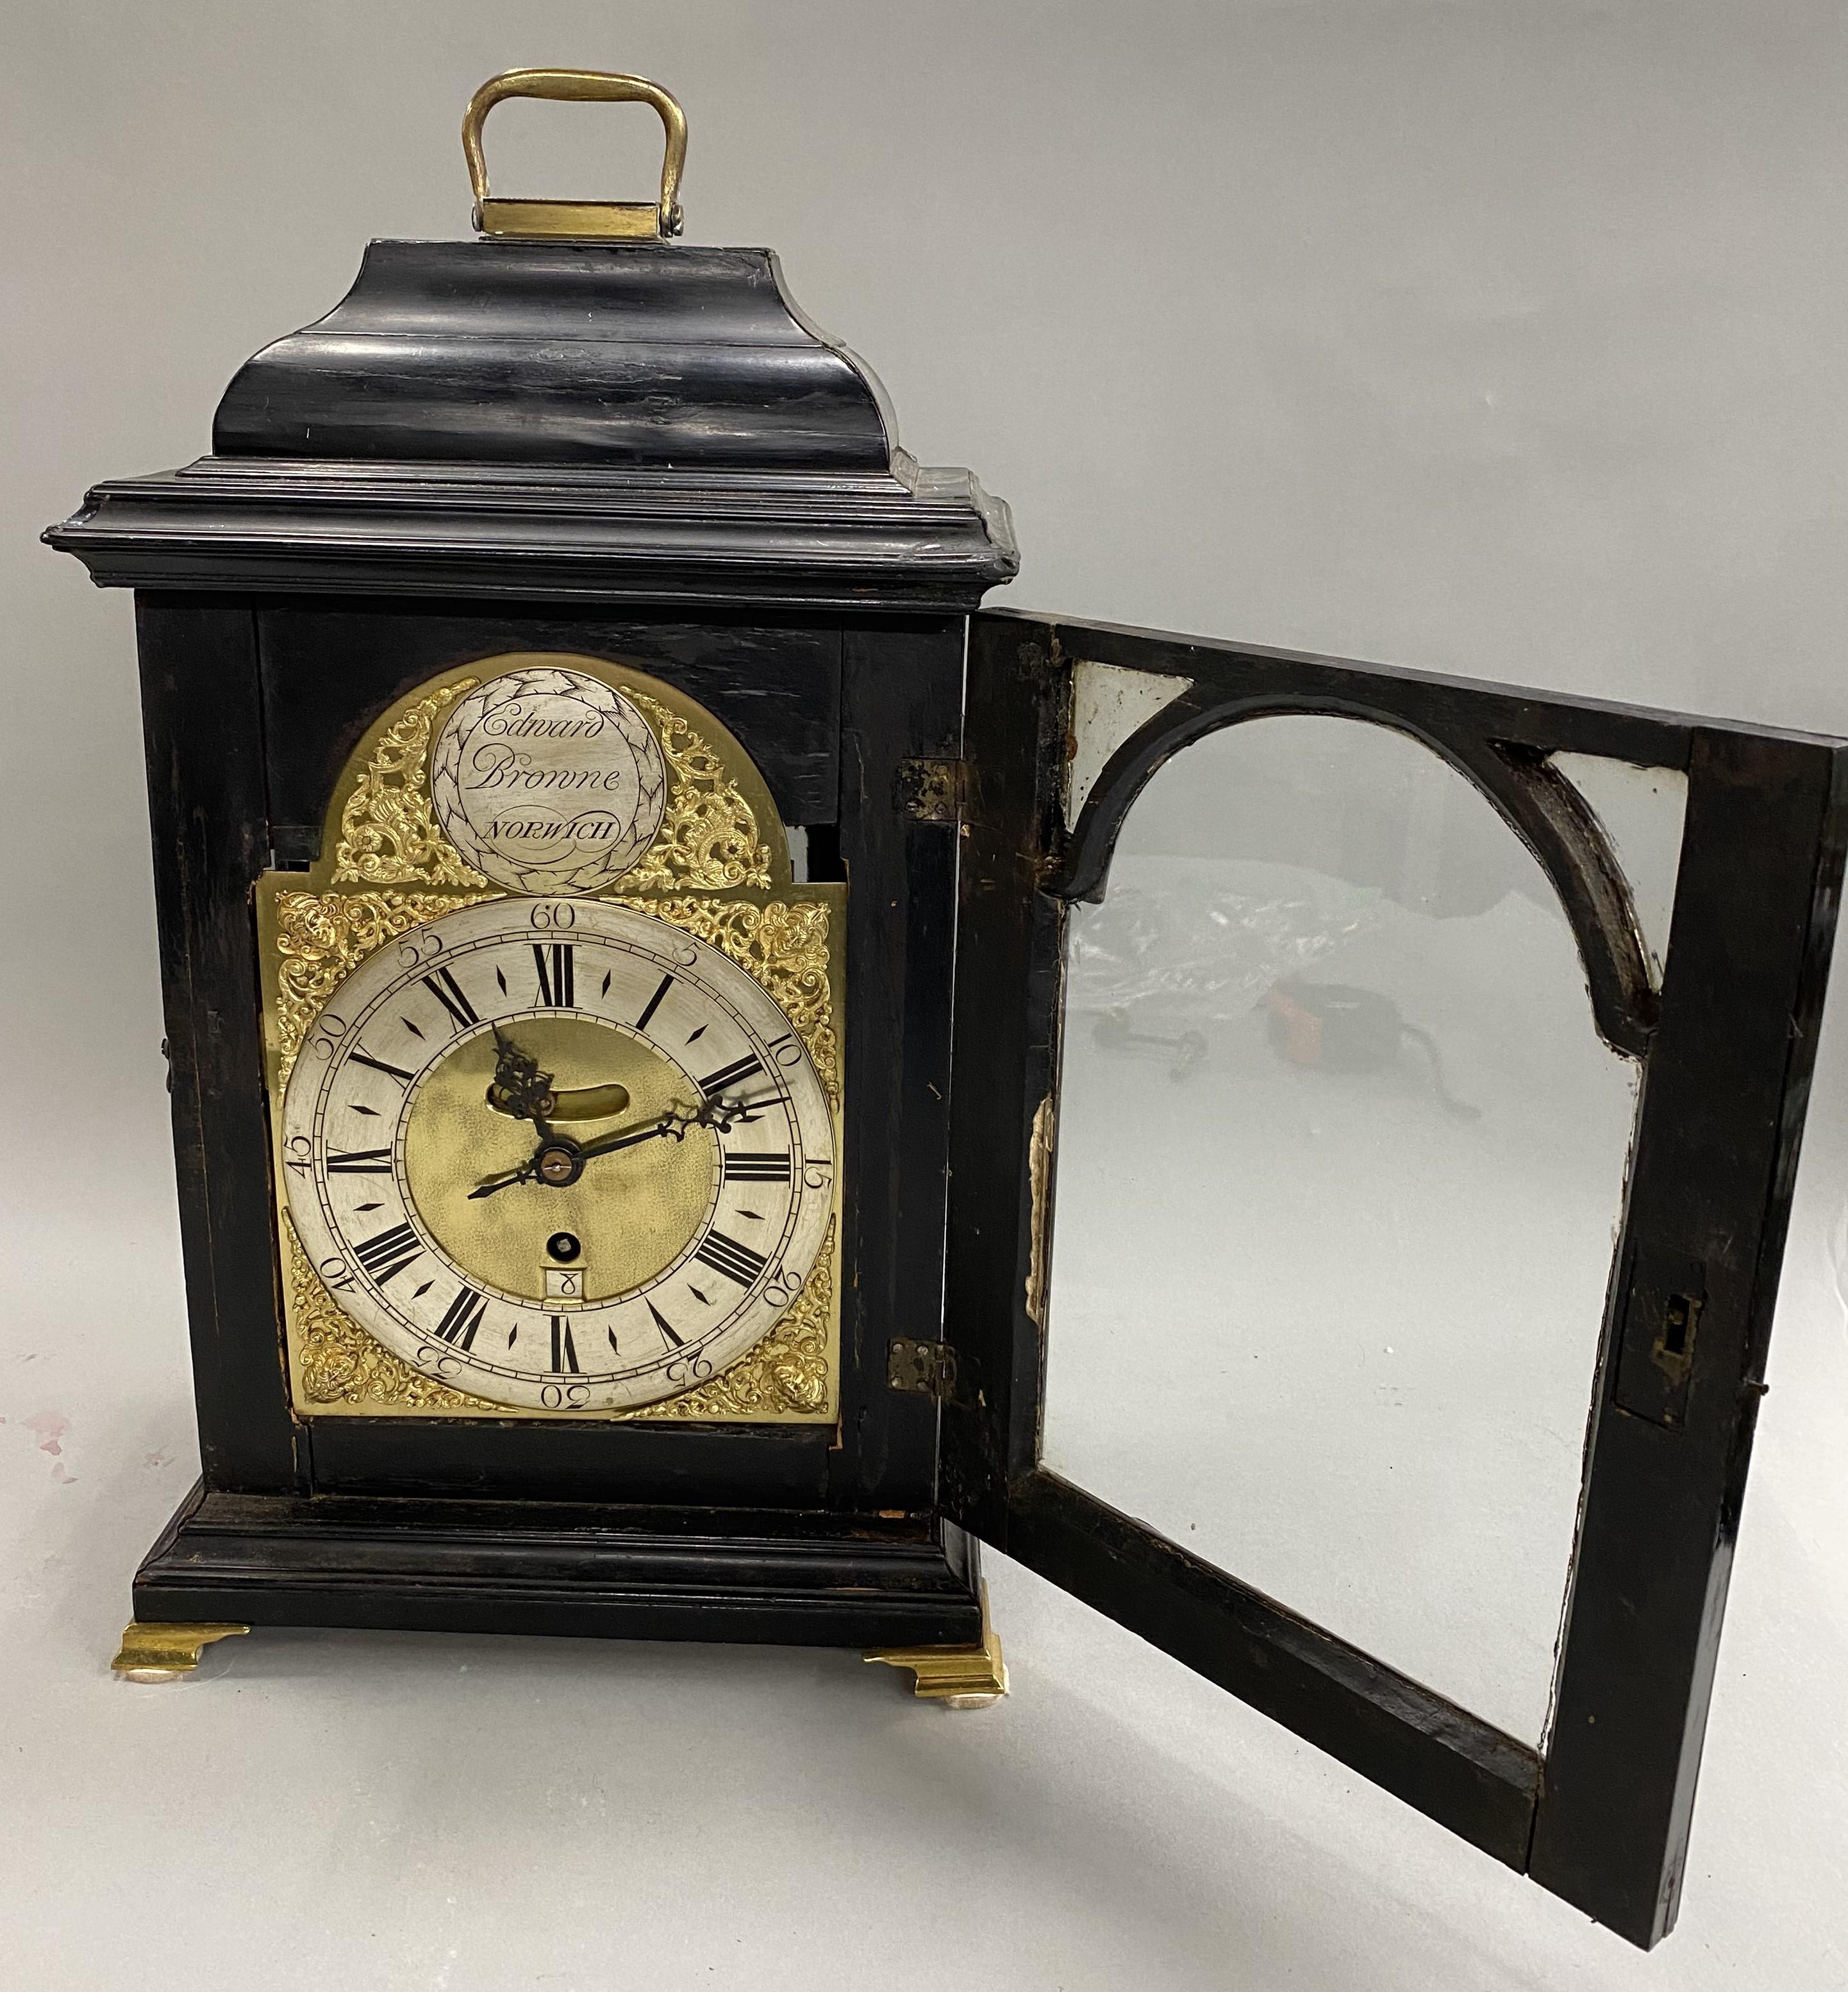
{"x": 1548, "y": 814}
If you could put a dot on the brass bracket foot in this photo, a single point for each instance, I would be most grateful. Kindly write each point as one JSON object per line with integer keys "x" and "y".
{"x": 155, "y": 1652}
{"x": 958, "y": 1676}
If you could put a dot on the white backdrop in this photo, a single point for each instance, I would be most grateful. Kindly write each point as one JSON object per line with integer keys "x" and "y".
{"x": 1502, "y": 337}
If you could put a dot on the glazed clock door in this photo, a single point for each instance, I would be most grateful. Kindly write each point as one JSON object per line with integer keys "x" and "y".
{"x": 1377, "y": 1099}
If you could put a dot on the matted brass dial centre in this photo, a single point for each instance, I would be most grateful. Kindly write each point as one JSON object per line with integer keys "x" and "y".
{"x": 634, "y": 1212}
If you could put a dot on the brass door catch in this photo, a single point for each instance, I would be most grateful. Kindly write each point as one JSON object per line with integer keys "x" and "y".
{"x": 1658, "y": 1346}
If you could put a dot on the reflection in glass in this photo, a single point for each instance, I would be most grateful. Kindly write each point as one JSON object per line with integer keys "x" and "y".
{"x": 1340, "y": 1160}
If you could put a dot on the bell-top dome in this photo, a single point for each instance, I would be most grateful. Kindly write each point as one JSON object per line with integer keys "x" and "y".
{"x": 561, "y": 419}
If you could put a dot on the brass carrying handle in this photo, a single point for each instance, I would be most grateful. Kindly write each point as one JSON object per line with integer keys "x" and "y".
{"x": 632, "y": 220}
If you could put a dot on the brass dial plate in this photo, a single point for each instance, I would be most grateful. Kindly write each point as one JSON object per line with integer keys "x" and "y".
{"x": 387, "y": 1130}
{"x": 718, "y": 868}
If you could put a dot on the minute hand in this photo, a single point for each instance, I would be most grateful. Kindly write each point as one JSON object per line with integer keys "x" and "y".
{"x": 529, "y": 1172}
{"x": 722, "y": 1114}
{"x": 627, "y": 1137}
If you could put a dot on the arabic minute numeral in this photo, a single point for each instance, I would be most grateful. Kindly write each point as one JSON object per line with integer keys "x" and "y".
{"x": 417, "y": 948}
{"x": 328, "y": 1031}
{"x": 782, "y": 1287}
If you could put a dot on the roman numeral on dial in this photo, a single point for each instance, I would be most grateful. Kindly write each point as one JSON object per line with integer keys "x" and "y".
{"x": 397, "y": 1071}
{"x": 361, "y": 1162}
{"x": 756, "y": 1165}
{"x": 458, "y": 1325}
{"x": 448, "y": 992}
{"x": 654, "y": 1003}
{"x": 733, "y": 1074}
{"x": 390, "y": 1252}
{"x": 564, "y": 1357}
{"x": 557, "y": 974}
{"x": 725, "y": 1255}
{"x": 664, "y": 1325}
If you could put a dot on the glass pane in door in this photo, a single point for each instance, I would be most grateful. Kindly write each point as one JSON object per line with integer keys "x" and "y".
{"x": 1340, "y": 1160}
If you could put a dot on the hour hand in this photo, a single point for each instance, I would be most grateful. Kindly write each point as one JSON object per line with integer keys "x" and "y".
{"x": 560, "y": 1160}
{"x": 579, "y": 1102}
{"x": 518, "y": 1087}
{"x": 506, "y": 1180}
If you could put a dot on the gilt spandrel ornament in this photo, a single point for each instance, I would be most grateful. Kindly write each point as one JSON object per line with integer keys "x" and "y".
{"x": 708, "y": 838}
{"x": 388, "y": 835}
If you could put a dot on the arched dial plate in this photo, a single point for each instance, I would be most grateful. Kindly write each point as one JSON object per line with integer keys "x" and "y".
{"x": 628, "y": 1250}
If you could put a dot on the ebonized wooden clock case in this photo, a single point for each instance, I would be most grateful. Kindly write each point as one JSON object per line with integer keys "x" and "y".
{"x": 576, "y": 445}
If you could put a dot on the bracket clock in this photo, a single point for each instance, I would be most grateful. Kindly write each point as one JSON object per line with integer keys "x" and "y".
{"x": 711, "y": 1074}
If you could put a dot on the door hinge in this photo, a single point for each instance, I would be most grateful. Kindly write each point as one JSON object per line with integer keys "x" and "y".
{"x": 931, "y": 790}
{"x": 927, "y": 1369}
